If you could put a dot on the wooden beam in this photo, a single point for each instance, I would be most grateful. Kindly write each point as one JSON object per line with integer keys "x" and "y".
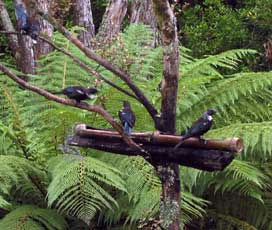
{"x": 209, "y": 160}
{"x": 233, "y": 144}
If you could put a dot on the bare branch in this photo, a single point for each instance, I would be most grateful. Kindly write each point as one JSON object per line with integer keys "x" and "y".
{"x": 82, "y": 64}
{"x": 92, "y": 108}
{"x": 89, "y": 53}
{"x": 89, "y": 69}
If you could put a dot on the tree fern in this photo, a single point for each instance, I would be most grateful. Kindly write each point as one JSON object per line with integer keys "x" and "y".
{"x": 256, "y": 136}
{"x": 78, "y": 186}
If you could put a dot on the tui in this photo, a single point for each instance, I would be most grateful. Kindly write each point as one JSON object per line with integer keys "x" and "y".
{"x": 78, "y": 93}
{"x": 200, "y": 127}
{"x": 127, "y": 117}
{"x": 28, "y": 25}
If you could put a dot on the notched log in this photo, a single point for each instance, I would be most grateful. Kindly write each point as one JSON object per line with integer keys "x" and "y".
{"x": 213, "y": 156}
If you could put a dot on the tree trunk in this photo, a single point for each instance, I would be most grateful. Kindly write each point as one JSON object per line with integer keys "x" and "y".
{"x": 26, "y": 54}
{"x": 83, "y": 17}
{"x": 42, "y": 47}
{"x": 112, "y": 20}
{"x": 142, "y": 12}
{"x": 8, "y": 26}
{"x": 169, "y": 172}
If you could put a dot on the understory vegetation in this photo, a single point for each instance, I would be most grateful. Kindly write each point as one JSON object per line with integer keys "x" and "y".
{"x": 46, "y": 184}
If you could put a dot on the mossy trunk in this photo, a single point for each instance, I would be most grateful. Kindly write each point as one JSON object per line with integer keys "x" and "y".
{"x": 168, "y": 172}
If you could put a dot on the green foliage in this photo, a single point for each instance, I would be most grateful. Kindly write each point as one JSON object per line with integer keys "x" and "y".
{"x": 213, "y": 28}
{"x": 78, "y": 186}
{"x": 32, "y": 218}
{"x": 119, "y": 188}
{"x": 20, "y": 179}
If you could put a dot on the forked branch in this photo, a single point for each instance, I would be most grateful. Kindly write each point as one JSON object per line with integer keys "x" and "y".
{"x": 103, "y": 62}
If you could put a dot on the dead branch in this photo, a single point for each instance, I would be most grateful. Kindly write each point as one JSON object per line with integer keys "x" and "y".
{"x": 89, "y": 69}
{"x": 92, "y": 108}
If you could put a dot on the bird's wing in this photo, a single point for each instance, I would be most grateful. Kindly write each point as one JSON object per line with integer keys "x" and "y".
{"x": 79, "y": 91}
{"x": 200, "y": 127}
{"x": 121, "y": 116}
{"x": 127, "y": 117}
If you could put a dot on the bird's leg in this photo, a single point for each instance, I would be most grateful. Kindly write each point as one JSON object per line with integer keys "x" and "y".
{"x": 83, "y": 103}
{"x": 203, "y": 140}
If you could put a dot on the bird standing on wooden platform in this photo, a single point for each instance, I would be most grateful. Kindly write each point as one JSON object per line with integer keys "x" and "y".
{"x": 78, "y": 93}
{"x": 28, "y": 25}
{"x": 127, "y": 117}
{"x": 200, "y": 127}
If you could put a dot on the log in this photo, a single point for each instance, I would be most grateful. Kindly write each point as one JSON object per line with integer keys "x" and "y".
{"x": 233, "y": 144}
{"x": 208, "y": 160}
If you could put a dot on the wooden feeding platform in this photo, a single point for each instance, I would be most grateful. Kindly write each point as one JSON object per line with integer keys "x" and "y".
{"x": 213, "y": 155}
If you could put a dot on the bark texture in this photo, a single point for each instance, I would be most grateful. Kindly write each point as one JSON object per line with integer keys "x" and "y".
{"x": 26, "y": 54}
{"x": 169, "y": 172}
{"x": 208, "y": 160}
{"x": 47, "y": 29}
{"x": 8, "y": 26}
{"x": 83, "y": 17}
{"x": 142, "y": 12}
{"x": 112, "y": 20}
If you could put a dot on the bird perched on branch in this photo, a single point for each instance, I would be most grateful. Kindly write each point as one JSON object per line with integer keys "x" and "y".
{"x": 78, "y": 93}
{"x": 199, "y": 127}
{"x": 27, "y": 24}
{"x": 127, "y": 117}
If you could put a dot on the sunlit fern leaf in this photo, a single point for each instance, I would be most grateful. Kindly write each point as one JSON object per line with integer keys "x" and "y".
{"x": 208, "y": 65}
{"x": 256, "y": 136}
{"x": 78, "y": 186}
{"x": 5, "y": 205}
{"x": 223, "y": 93}
{"x": 239, "y": 177}
{"x": 32, "y": 218}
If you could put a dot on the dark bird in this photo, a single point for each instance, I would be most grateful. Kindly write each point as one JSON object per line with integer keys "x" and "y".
{"x": 78, "y": 93}
{"x": 127, "y": 117}
{"x": 28, "y": 25}
{"x": 199, "y": 127}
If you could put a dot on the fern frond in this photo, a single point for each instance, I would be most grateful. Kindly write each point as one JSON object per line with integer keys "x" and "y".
{"x": 239, "y": 177}
{"x": 32, "y": 218}
{"x": 256, "y": 136}
{"x": 208, "y": 65}
{"x": 223, "y": 94}
{"x": 17, "y": 179}
{"x": 77, "y": 186}
{"x": 4, "y": 204}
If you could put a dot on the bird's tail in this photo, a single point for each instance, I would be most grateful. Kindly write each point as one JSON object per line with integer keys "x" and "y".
{"x": 56, "y": 92}
{"x": 127, "y": 128}
{"x": 180, "y": 143}
{"x": 183, "y": 138}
